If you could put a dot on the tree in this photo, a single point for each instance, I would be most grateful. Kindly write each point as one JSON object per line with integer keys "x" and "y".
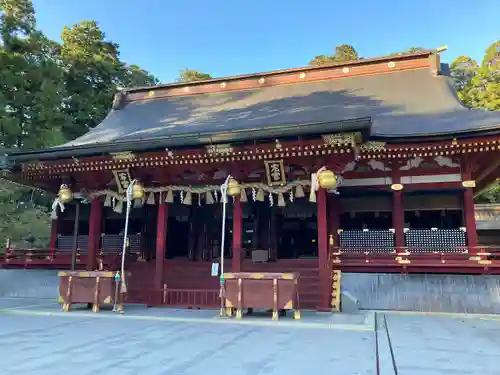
{"x": 23, "y": 213}
{"x": 344, "y": 52}
{"x": 92, "y": 68}
{"x": 409, "y": 50}
{"x": 50, "y": 93}
{"x": 415, "y": 49}
{"x": 94, "y": 73}
{"x": 30, "y": 79}
{"x": 190, "y": 75}
{"x": 478, "y": 86}
{"x": 134, "y": 76}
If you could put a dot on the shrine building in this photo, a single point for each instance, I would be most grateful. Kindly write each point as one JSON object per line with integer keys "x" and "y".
{"x": 361, "y": 166}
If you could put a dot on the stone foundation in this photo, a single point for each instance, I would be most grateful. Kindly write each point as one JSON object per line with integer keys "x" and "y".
{"x": 42, "y": 284}
{"x": 432, "y": 293}
{"x": 425, "y": 292}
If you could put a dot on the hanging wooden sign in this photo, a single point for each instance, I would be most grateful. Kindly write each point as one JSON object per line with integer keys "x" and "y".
{"x": 275, "y": 172}
{"x": 122, "y": 179}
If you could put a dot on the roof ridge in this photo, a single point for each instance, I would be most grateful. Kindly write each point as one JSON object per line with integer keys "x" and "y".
{"x": 360, "y": 61}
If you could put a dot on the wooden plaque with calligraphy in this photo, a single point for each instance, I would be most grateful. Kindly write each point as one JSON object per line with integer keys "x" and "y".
{"x": 275, "y": 172}
{"x": 122, "y": 179}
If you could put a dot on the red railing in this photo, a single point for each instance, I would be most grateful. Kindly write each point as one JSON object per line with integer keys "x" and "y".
{"x": 182, "y": 298}
{"x": 416, "y": 261}
{"x": 52, "y": 258}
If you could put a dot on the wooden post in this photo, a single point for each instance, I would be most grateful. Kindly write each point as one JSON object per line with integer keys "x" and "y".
{"x": 237, "y": 235}
{"x": 273, "y": 234}
{"x": 324, "y": 267}
{"x": 161, "y": 247}
{"x": 334, "y": 210}
{"x": 75, "y": 236}
{"x": 469, "y": 214}
{"x": 398, "y": 219}
{"x": 97, "y": 297}
{"x": 53, "y": 237}
{"x": 94, "y": 233}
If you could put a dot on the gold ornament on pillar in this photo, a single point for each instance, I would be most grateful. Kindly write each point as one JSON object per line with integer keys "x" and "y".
{"x": 233, "y": 188}
{"x": 65, "y": 194}
{"x": 397, "y": 187}
{"x": 469, "y": 184}
{"x": 327, "y": 179}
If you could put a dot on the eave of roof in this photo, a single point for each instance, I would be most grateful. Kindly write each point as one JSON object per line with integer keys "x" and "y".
{"x": 361, "y": 125}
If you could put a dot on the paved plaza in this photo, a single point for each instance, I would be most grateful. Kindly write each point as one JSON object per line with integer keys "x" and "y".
{"x": 36, "y": 338}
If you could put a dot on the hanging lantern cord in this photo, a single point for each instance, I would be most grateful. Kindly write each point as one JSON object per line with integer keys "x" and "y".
{"x": 129, "y": 194}
{"x": 223, "y": 190}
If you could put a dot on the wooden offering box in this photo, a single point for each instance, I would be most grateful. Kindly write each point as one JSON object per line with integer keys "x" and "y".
{"x": 276, "y": 291}
{"x": 88, "y": 287}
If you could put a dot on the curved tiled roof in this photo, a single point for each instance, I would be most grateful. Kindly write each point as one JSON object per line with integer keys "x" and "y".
{"x": 411, "y": 103}
{"x": 408, "y": 102}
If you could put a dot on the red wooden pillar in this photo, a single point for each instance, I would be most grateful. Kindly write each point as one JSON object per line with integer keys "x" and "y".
{"x": 53, "y": 237}
{"x": 323, "y": 264}
{"x": 469, "y": 214}
{"x": 94, "y": 233}
{"x": 398, "y": 219}
{"x": 161, "y": 247}
{"x": 237, "y": 235}
{"x": 334, "y": 211}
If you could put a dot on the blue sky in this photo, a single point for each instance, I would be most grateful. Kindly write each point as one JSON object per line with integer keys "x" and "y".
{"x": 224, "y": 37}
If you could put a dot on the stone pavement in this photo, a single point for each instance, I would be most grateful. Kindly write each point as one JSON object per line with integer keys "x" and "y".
{"x": 37, "y": 339}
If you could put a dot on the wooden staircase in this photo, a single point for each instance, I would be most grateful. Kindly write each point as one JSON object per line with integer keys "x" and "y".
{"x": 196, "y": 276}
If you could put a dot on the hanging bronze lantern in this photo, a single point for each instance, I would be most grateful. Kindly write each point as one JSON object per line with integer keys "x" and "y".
{"x": 138, "y": 191}
{"x": 233, "y": 188}
{"x": 327, "y": 179}
{"x": 65, "y": 194}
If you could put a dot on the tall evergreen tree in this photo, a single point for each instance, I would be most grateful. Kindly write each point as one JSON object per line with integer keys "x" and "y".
{"x": 344, "y": 52}
{"x": 190, "y": 75}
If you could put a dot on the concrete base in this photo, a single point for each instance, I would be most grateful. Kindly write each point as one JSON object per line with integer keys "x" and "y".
{"x": 425, "y": 292}
{"x": 349, "y": 303}
{"x": 413, "y": 292}
{"x": 42, "y": 284}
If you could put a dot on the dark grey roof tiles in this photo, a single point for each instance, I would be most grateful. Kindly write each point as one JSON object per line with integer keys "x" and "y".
{"x": 400, "y": 104}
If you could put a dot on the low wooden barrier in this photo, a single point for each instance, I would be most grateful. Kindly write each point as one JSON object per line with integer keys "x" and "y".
{"x": 249, "y": 290}
{"x": 181, "y": 298}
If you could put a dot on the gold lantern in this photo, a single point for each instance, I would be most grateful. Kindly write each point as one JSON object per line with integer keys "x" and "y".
{"x": 233, "y": 188}
{"x": 138, "y": 191}
{"x": 65, "y": 194}
{"x": 327, "y": 179}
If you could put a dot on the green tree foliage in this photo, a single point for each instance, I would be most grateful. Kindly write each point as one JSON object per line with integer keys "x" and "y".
{"x": 190, "y": 75}
{"x": 344, "y": 52}
{"x": 51, "y": 93}
{"x": 93, "y": 72}
{"x": 24, "y": 216}
{"x": 410, "y": 50}
{"x": 478, "y": 87}
{"x": 31, "y": 83}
